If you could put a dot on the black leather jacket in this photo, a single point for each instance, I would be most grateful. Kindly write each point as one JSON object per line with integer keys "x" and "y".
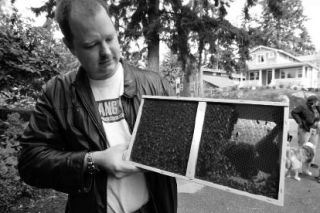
{"x": 66, "y": 125}
{"x": 304, "y": 116}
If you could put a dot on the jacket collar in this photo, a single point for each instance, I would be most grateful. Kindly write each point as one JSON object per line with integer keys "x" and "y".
{"x": 130, "y": 84}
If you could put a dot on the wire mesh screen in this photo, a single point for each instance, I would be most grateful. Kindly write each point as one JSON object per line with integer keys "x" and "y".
{"x": 239, "y": 147}
{"x": 239, "y": 152}
{"x": 164, "y": 135}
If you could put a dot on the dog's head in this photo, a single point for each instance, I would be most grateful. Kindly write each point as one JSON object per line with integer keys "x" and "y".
{"x": 309, "y": 149}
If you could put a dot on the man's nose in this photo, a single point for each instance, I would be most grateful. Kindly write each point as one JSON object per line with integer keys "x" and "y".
{"x": 105, "y": 49}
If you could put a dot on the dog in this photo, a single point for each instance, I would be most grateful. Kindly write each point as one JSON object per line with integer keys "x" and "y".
{"x": 299, "y": 159}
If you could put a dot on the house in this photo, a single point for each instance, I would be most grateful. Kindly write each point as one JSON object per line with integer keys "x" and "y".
{"x": 311, "y": 59}
{"x": 216, "y": 78}
{"x": 274, "y": 67}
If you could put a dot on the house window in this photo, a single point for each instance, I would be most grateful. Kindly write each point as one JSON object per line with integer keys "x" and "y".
{"x": 251, "y": 76}
{"x": 277, "y": 74}
{"x": 291, "y": 75}
{"x": 260, "y": 58}
{"x": 282, "y": 74}
{"x": 271, "y": 55}
{"x": 257, "y": 75}
{"x": 299, "y": 73}
{"x": 253, "y": 57}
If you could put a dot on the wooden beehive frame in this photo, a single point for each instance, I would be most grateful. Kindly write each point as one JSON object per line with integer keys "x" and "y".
{"x": 193, "y": 156}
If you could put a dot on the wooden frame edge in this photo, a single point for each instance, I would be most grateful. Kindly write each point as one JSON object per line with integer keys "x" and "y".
{"x": 134, "y": 132}
{"x": 231, "y": 101}
{"x": 194, "y": 150}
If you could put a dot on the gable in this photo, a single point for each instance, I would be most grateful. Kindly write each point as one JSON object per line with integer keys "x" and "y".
{"x": 267, "y": 55}
{"x": 263, "y": 55}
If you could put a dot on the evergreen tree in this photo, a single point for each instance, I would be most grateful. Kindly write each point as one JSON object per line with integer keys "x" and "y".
{"x": 197, "y": 25}
{"x": 283, "y": 28}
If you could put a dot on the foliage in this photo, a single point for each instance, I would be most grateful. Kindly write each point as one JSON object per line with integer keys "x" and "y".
{"x": 13, "y": 190}
{"x": 11, "y": 186}
{"x": 180, "y": 26}
{"x": 26, "y": 54}
{"x": 170, "y": 68}
{"x": 282, "y": 26}
{"x": 14, "y": 99}
{"x": 183, "y": 27}
{"x": 29, "y": 56}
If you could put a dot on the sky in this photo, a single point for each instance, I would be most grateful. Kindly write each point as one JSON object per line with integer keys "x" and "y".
{"x": 311, "y": 10}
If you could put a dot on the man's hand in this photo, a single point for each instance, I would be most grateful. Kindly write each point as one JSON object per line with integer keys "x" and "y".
{"x": 111, "y": 161}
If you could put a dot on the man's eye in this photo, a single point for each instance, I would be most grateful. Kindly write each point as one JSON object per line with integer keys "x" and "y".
{"x": 109, "y": 39}
{"x": 90, "y": 45}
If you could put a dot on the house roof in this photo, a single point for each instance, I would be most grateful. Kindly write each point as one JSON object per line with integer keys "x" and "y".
{"x": 206, "y": 69}
{"x": 277, "y": 50}
{"x": 298, "y": 60}
{"x": 276, "y": 66}
{"x": 218, "y": 81}
{"x": 309, "y": 57}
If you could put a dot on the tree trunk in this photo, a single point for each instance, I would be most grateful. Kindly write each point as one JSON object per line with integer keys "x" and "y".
{"x": 186, "y": 86}
{"x": 153, "y": 55}
{"x": 152, "y": 36}
{"x": 189, "y": 65}
{"x": 199, "y": 79}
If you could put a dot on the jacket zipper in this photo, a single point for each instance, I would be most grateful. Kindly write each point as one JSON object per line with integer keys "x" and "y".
{"x": 105, "y": 144}
{"x": 99, "y": 126}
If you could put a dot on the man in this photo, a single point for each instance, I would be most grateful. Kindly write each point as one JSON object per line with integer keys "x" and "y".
{"x": 83, "y": 121}
{"x": 307, "y": 117}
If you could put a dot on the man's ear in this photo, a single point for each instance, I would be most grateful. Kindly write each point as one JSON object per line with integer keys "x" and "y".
{"x": 69, "y": 45}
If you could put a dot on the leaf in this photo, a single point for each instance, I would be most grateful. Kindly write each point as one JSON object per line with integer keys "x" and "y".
{"x": 11, "y": 161}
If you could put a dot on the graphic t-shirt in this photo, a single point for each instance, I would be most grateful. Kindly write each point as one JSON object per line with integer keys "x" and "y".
{"x": 129, "y": 193}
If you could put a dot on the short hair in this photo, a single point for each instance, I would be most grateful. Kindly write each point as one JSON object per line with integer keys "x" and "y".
{"x": 312, "y": 99}
{"x": 64, "y": 8}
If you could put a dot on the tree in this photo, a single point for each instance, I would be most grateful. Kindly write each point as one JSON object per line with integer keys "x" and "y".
{"x": 184, "y": 27}
{"x": 170, "y": 68}
{"x": 133, "y": 19}
{"x": 29, "y": 55}
{"x": 201, "y": 24}
{"x": 282, "y": 28}
{"x": 136, "y": 19}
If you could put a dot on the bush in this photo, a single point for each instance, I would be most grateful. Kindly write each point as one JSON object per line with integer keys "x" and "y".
{"x": 29, "y": 56}
{"x": 11, "y": 186}
{"x": 12, "y": 98}
{"x": 234, "y": 88}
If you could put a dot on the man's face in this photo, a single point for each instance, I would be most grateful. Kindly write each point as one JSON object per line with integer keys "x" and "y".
{"x": 95, "y": 44}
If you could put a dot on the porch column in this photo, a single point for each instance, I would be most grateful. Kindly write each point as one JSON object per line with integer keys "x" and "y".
{"x": 273, "y": 77}
{"x": 260, "y": 78}
{"x": 304, "y": 76}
